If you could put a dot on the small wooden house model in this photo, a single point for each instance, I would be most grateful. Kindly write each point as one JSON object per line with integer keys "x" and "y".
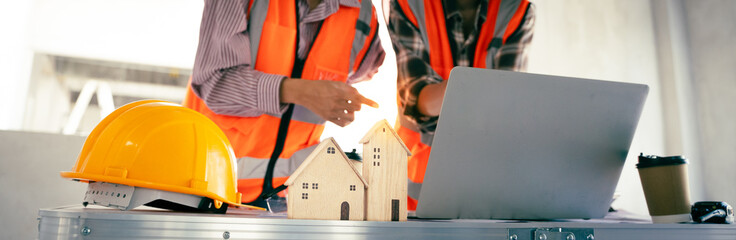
{"x": 327, "y": 186}
{"x": 385, "y": 171}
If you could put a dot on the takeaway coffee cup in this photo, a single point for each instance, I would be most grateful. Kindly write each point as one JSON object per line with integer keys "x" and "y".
{"x": 665, "y": 184}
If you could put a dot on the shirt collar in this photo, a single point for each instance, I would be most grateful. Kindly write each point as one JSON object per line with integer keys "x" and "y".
{"x": 452, "y": 11}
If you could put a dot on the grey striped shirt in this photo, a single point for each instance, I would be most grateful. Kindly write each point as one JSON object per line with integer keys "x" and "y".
{"x": 223, "y": 75}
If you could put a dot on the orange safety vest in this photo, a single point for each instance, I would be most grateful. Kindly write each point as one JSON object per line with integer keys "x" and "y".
{"x": 503, "y": 18}
{"x": 337, "y": 51}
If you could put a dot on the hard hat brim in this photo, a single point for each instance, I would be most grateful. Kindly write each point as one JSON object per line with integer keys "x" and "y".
{"x": 144, "y": 184}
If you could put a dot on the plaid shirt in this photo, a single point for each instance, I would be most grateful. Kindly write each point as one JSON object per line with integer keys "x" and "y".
{"x": 412, "y": 56}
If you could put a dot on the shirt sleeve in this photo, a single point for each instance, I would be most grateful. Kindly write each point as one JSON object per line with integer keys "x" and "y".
{"x": 223, "y": 74}
{"x": 372, "y": 60}
{"x": 414, "y": 70}
{"x": 512, "y": 55}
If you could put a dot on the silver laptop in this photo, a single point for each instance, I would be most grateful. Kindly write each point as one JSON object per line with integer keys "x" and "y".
{"x": 515, "y": 145}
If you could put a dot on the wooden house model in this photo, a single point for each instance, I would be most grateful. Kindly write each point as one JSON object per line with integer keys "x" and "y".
{"x": 327, "y": 186}
{"x": 385, "y": 171}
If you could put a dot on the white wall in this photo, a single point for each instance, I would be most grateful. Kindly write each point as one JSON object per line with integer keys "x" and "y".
{"x": 697, "y": 60}
{"x": 711, "y": 34}
{"x": 29, "y": 172}
{"x": 15, "y": 62}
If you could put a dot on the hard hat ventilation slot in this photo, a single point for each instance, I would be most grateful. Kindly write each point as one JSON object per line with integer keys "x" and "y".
{"x": 125, "y": 197}
{"x": 108, "y": 194}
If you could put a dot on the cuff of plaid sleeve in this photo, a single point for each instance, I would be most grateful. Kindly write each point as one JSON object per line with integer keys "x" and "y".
{"x": 411, "y": 100}
{"x": 269, "y": 88}
{"x": 427, "y": 124}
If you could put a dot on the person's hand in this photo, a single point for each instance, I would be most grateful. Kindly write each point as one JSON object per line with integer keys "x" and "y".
{"x": 334, "y": 101}
{"x": 430, "y": 99}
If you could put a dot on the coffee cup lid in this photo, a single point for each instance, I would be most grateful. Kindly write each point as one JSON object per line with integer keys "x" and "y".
{"x": 656, "y": 161}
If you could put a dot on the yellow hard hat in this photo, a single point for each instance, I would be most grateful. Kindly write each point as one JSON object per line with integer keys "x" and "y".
{"x": 162, "y": 146}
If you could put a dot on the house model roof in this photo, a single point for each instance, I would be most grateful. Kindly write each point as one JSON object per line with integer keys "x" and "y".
{"x": 319, "y": 149}
{"x": 383, "y": 124}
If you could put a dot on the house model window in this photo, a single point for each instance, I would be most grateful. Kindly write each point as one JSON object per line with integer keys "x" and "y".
{"x": 305, "y": 185}
{"x": 330, "y": 150}
{"x": 305, "y": 195}
{"x": 314, "y": 186}
{"x": 352, "y": 188}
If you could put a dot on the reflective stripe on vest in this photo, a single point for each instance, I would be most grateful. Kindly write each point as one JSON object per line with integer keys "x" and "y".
{"x": 503, "y": 18}
{"x": 363, "y": 33}
{"x": 336, "y": 53}
{"x": 249, "y": 167}
{"x": 413, "y": 189}
{"x": 251, "y": 171}
{"x": 508, "y": 14}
